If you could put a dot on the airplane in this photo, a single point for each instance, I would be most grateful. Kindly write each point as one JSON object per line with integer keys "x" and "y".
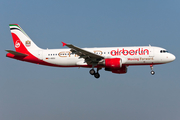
{"x": 113, "y": 59}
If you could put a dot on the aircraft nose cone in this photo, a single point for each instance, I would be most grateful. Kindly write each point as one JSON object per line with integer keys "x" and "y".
{"x": 172, "y": 57}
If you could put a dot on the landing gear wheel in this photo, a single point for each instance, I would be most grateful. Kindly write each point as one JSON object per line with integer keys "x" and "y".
{"x": 92, "y": 71}
{"x": 96, "y": 75}
{"x": 152, "y": 72}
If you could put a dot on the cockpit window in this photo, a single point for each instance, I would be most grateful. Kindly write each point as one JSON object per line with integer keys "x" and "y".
{"x": 163, "y": 51}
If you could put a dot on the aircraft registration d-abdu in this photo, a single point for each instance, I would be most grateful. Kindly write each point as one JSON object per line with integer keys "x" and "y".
{"x": 114, "y": 59}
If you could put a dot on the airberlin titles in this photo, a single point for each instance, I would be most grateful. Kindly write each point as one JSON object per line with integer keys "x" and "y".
{"x": 139, "y": 51}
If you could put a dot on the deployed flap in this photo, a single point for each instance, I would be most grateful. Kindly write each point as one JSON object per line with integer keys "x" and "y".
{"x": 16, "y": 53}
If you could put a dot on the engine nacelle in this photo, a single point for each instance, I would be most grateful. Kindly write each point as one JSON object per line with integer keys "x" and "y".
{"x": 113, "y": 63}
{"x": 121, "y": 70}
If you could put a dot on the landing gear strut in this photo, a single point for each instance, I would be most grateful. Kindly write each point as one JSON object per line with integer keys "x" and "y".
{"x": 152, "y": 72}
{"x": 96, "y": 74}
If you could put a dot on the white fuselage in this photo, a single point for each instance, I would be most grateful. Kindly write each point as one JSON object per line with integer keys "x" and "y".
{"x": 141, "y": 55}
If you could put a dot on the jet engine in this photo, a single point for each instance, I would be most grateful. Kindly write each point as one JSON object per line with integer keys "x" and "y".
{"x": 114, "y": 65}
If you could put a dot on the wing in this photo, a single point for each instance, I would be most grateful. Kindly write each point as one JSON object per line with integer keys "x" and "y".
{"x": 90, "y": 58}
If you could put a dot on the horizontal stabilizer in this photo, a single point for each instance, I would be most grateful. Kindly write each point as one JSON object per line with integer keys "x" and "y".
{"x": 16, "y": 53}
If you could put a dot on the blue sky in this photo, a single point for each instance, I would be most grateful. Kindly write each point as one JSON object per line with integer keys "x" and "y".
{"x": 29, "y": 91}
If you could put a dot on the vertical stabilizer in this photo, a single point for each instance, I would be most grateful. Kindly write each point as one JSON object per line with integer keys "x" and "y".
{"x": 22, "y": 42}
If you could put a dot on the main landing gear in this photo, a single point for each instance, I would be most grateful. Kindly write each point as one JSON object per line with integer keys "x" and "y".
{"x": 96, "y": 74}
{"x": 152, "y": 72}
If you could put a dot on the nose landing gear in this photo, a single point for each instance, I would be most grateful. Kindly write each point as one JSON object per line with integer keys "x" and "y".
{"x": 152, "y": 72}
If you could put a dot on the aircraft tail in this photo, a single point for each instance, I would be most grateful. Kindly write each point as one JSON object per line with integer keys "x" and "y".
{"x": 22, "y": 42}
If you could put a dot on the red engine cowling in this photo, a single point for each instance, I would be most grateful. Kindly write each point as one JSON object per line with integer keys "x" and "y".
{"x": 121, "y": 70}
{"x": 113, "y": 63}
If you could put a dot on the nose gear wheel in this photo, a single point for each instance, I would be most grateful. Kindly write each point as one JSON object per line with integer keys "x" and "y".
{"x": 152, "y": 72}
